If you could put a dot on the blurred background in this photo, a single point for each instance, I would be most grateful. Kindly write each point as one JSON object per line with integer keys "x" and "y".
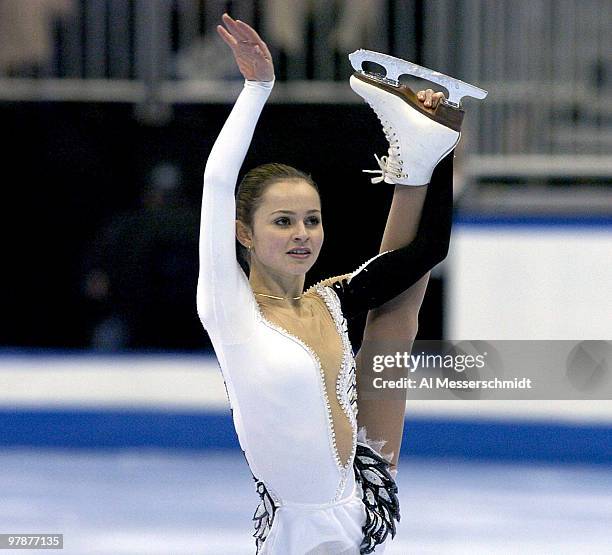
{"x": 114, "y": 423}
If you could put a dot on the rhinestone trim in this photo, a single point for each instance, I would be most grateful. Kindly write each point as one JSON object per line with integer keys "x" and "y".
{"x": 346, "y": 388}
{"x": 363, "y": 266}
{"x": 346, "y": 377}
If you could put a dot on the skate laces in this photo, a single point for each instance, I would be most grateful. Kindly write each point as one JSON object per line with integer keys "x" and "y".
{"x": 391, "y": 165}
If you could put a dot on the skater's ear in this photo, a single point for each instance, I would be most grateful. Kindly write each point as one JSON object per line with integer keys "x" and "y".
{"x": 243, "y": 234}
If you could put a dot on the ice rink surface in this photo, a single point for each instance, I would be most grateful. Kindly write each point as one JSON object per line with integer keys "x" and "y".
{"x": 154, "y": 502}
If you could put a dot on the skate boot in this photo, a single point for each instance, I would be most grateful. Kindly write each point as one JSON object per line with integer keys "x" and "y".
{"x": 419, "y": 137}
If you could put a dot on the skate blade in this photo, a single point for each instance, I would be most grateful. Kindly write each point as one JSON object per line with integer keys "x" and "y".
{"x": 396, "y": 67}
{"x": 444, "y": 113}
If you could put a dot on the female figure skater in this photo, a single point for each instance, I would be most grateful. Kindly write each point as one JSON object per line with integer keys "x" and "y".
{"x": 285, "y": 354}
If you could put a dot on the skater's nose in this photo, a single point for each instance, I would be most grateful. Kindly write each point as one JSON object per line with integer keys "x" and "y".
{"x": 300, "y": 232}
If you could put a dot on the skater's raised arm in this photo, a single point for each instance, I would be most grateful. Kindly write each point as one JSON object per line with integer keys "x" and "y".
{"x": 224, "y": 298}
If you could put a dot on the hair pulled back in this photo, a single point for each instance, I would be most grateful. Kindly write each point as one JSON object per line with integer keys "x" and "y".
{"x": 249, "y": 196}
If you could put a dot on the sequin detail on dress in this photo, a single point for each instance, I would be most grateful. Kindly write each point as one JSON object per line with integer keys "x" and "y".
{"x": 379, "y": 497}
{"x": 346, "y": 388}
{"x": 264, "y": 515}
{"x": 346, "y": 384}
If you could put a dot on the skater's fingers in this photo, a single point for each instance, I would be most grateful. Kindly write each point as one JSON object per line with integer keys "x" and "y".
{"x": 245, "y": 31}
{"x": 428, "y": 97}
{"x": 262, "y": 45}
{"x": 436, "y": 98}
{"x": 228, "y": 21}
{"x": 253, "y": 36}
{"x": 248, "y": 32}
{"x": 227, "y": 38}
{"x": 264, "y": 48}
{"x": 261, "y": 42}
{"x": 233, "y": 27}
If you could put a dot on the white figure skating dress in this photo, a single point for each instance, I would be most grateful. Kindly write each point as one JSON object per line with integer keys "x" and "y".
{"x": 323, "y": 490}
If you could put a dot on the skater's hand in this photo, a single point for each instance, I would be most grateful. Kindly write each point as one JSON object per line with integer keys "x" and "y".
{"x": 429, "y": 98}
{"x": 251, "y": 53}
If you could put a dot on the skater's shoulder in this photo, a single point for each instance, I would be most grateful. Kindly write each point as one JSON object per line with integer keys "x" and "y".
{"x": 329, "y": 282}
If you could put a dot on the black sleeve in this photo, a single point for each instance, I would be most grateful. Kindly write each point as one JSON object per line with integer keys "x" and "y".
{"x": 387, "y": 275}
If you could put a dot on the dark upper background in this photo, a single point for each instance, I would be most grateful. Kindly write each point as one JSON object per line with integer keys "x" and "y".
{"x": 76, "y": 170}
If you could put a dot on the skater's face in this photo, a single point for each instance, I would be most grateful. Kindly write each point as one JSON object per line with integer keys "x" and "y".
{"x": 288, "y": 217}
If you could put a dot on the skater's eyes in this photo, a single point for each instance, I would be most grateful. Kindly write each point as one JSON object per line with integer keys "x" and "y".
{"x": 312, "y": 220}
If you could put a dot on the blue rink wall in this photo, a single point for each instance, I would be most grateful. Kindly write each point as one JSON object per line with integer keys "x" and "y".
{"x": 424, "y": 437}
{"x": 179, "y": 402}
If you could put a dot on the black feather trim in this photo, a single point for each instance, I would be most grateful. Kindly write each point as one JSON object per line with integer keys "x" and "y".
{"x": 379, "y": 497}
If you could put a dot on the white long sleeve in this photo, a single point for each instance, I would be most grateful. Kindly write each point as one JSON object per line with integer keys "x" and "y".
{"x": 224, "y": 299}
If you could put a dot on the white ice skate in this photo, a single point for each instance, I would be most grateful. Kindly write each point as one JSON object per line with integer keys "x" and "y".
{"x": 418, "y": 137}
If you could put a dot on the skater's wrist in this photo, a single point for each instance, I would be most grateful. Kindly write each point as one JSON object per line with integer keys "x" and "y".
{"x": 266, "y": 85}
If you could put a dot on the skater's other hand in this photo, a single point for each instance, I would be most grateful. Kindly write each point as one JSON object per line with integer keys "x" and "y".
{"x": 429, "y": 98}
{"x": 250, "y": 51}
